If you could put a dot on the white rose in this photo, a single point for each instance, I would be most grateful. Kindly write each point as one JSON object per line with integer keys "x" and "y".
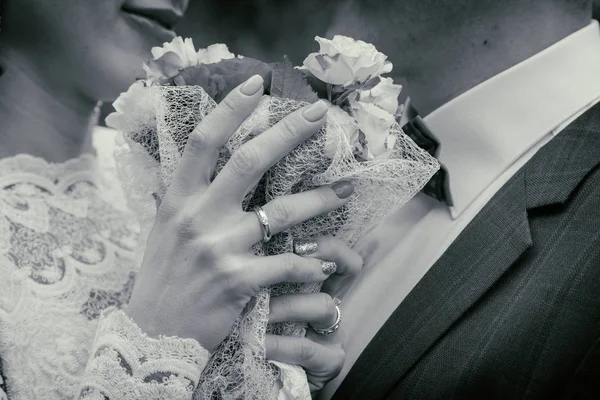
{"x": 134, "y": 109}
{"x": 172, "y": 57}
{"x": 376, "y": 124}
{"x": 344, "y": 124}
{"x": 343, "y": 61}
{"x": 184, "y": 49}
{"x": 214, "y": 53}
{"x": 384, "y": 94}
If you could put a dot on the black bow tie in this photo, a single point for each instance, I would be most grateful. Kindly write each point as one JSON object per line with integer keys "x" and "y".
{"x": 438, "y": 186}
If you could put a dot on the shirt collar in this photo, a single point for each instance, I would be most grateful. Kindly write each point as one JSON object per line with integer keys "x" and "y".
{"x": 486, "y": 129}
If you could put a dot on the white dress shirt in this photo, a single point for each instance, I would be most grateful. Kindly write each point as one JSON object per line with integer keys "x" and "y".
{"x": 487, "y": 134}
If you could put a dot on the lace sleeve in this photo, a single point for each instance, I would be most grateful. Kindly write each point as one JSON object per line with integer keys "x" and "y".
{"x": 127, "y": 364}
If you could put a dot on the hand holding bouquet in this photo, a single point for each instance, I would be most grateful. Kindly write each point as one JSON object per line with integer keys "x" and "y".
{"x": 362, "y": 142}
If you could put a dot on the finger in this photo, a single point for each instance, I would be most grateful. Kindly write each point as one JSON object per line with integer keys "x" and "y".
{"x": 349, "y": 263}
{"x": 322, "y": 361}
{"x": 287, "y": 211}
{"x": 318, "y": 309}
{"x": 338, "y": 338}
{"x": 249, "y": 162}
{"x": 287, "y": 267}
{"x": 197, "y": 164}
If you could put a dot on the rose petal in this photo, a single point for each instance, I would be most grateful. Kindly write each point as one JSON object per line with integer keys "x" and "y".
{"x": 375, "y": 122}
{"x": 328, "y": 69}
{"x": 214, "y": 53}
{"x": 360, "y": 58}
{"x": 384, "y": 94}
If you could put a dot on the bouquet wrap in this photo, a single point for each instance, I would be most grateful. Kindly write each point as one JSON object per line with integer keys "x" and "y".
{"x": 156, "y": 134}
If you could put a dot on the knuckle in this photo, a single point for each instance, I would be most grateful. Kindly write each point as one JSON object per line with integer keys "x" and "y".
{"x": 326, "y": 201}
{"x": 186, "y": 223}
{"x": 206, "y": 247}
{"x": 273, "y": 345}
{"x": 235, "y": 283}
{"x": 339, "y": 359}
{"x": 305, "y": 349}
{"x": 348, "y": 257}
{"x": 328, "y": 306}
{"x": 244, "y": 160}
{"x": 291, "y": 264}
{"x": 199, "y": 139}
{"x": 233, "y": 278}
{"x": 287, "y": 305}
{"x": 288, "y": 128}
{"x": 356, "y": 264}
{"x": 281, "y": 212}
{"x": 229, "y": 104}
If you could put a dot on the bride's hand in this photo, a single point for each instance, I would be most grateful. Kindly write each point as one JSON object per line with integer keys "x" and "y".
{"x": 198, "y": 271}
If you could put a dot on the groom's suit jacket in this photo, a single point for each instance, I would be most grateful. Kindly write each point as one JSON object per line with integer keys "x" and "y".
{"x": 512, "y": 308}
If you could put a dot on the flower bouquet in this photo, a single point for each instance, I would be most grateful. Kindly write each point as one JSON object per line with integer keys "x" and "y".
{"x": 362, "y": 142}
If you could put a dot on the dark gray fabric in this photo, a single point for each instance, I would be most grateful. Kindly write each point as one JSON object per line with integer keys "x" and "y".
{"x": 512, "y": 308}
{"x": 2, "y": 379}
{"x": 585, "y": 384}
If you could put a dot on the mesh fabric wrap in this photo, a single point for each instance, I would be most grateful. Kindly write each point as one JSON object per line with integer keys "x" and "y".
{"x": 237, "y": 369}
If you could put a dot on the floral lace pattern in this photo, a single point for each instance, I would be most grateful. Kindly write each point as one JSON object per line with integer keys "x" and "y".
{"x": 165, "y": 368}
{"x": 67, "y": 253}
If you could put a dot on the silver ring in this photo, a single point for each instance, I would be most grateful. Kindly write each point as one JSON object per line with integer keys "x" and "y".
{"x": 336, "y": 325}
{"x": 264, "y": 223}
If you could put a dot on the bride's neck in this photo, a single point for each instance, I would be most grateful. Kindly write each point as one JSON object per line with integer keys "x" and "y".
{"x": 40, "y": 119}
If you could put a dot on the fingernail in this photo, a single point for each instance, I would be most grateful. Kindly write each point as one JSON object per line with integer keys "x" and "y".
{"x": 329, "y": 267}
{"x": 343, "y": 189}
{"x": 315, "y": 111}
{"x": 304, "y": 247}
{"x": 252, "y": 85}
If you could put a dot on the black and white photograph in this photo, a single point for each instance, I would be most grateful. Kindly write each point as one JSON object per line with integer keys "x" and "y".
{"x": 299, "y": 199}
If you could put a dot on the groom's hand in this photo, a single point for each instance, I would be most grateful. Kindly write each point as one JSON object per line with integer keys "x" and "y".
{"x": 321, "y": 356}
{"x": 321, "y": 361}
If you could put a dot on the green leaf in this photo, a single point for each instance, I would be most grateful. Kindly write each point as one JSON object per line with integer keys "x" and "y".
{"x": 317, "y": 85}
{"x": 287, "y": 82}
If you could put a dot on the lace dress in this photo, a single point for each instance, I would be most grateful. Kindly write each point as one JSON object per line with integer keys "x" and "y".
{"x": 67, "y": 264}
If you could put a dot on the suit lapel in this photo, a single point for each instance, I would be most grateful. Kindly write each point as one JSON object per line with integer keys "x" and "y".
{"x": 489, "y": 245}
{"x": 485, "y": 249}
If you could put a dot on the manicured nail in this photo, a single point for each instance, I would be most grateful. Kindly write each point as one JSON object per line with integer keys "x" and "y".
{"x": 343, "y": 189}
{"x": 304, "y": 247}
{"x": 315, "y": 111}
{"x": 252, "y": 85}
{"x": 329, "y": 267}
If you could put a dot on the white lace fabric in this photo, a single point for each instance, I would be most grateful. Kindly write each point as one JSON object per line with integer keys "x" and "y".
{"x": 164, "y": 368}
{"x": 67, "y": 254}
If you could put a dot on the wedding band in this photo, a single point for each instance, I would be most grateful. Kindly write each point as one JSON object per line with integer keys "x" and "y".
{"x": 336, "y": 325}
{"x": 264, "y": 223}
